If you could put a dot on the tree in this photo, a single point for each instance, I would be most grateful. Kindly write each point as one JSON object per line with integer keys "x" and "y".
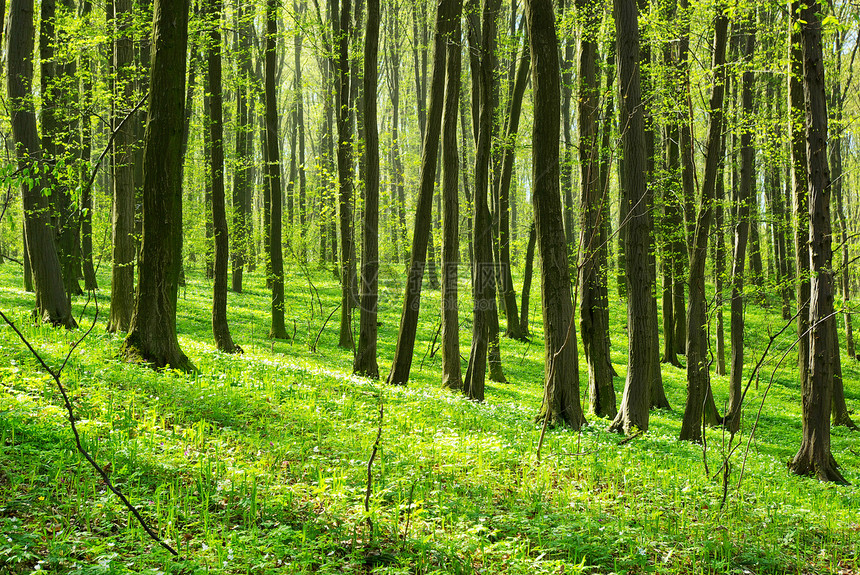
{"x": 561, "y": 404}
{"x": 220, "y": 327}
{"x": 451, "y": 371}
{"x": 699, "y": 407}
{"x": 273, "y": 177}
{"x": 594, "y": 300}
{"x": 342, "y": 31}
{"x": 152, "y": 333}
{"x": 642, "y": 363}
{"x": 244, "y": 147}
{"x": 742, "y": 229}
{"x": 814, "y": 457}
{"x": 402, "y": 362}
{"x": 122, "y": 220}
{"x": 365, "y": 358}
{"x": 52, "y": 304}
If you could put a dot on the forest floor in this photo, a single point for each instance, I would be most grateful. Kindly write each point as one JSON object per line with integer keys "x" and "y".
{"x": 258, "y": 463}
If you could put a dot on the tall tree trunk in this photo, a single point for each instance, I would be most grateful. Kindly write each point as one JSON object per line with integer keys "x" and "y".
{"x": 700, "y": 409}
{"x": 52, "y": 304}
{"x": 122, "y": 218}
{"x": 220, "y": 328}
{"x": 485, "y": 323}
{"x": 299, "y": 9}
{"x": 720, "y": 260}
{"x": 561, "y": 393}
{"x": 641, "y": 326}
{"x": 152, "y": 335}
{"x": 800, "y": 179}
{"x": 402, "y": 362}
{"x": 342, "y": 29}
{"x": 506, "y": 286}
{"x": 567, "y": 164}
{"x": 452, "y": 377}
{"x": 594, "y": 304}
{"x": 814, "y": 457}
{"x": 243, "y": 138}
{"x": 86, "y": 217}
{"x": 688, "y": 173}
{"x": 273, "y": 176}
{"x": 365, "y": 358}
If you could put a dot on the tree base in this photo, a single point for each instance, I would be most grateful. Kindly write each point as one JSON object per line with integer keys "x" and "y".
{"x": 134, "y": 351}
{"x": 806, "y": 464}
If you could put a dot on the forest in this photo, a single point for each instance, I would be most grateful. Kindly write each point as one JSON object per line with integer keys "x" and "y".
{"x": 464, "y": 286}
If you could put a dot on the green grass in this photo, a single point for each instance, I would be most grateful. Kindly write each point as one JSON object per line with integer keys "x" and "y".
{"x": 257, "y": 464}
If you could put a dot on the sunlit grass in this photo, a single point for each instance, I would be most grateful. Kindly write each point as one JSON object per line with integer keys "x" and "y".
{"x": 258, "y": 462}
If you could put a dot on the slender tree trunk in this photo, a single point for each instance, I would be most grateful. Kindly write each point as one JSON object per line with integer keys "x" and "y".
{"x": 720, "y": 261}
{"x": 800, "y": 193}
{"x": 699, "y": 409}
{"x": 561, "y": 394}
{"x": 485, "y": 323}
{"x": 122, "y": 219}
{"x": 814, "y": 457}
{"x": 688, "y": 172}
{"x": 299, "y": 9}
{"x": 152, "y": 335}
{"x": 86, "y": 221}
{"x": 593, "y": 306}
{"x": 402, "y": 362}
{"x": 365, "y": 358}
{"x": 220, "y": 327}
{"x": 52, "y": 304}
{"x": 244, "y": 131}
{"x": 342, "y": 29}
{"x": 273, "y": 176}
{"x": 508, "y": 151}
{"x": 451, "y": 370}
{"x": 527, "y": 281}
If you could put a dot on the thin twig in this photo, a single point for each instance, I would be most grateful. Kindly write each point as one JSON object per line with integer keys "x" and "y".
{"x": 55, "y": 375}
{"x": 367, "y": 492}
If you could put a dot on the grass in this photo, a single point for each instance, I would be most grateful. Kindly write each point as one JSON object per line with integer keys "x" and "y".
{"x": 258, "y": 463}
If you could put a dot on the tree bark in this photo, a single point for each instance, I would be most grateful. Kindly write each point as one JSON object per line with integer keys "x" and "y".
{"x": 744, "y": 197}
{"x": 365, "y": 358}
{"x": 402, "y": 362}
{"x": 814, "y": 457}
{"x": 342, "y": 29}
{"x": 122, "y": 218}
{"x": 641, "y": 326}
{"x": 152, "y": 334}
{"x": 52, "y": 305}
{"x": 273, "y": 166}
{"x": 220, "y": 327}
{"x": 243, "y": 138}
{"x": 700, "y": 409}
{"x": 452, "y": 377}
{"x": 594, "y": 301}
{"x": 527, "y": 281}
{"x": 561, "y": 393}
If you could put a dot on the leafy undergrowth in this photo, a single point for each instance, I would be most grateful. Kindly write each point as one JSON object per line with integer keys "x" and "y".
{"x": 258, "y": 463}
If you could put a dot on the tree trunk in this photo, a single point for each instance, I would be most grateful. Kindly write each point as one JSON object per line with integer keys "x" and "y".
{"x": 452, "y": 377}
{"x": 801, "y": 195}
{"x": 244, "y": 131}
{"x": 594, "y": 304}
{"x": 152, "y": 335}
{"x": 561, "y": 393}
{"x": 814, "y": 457}
{"x": 342, "y": 29}
{"x": 300, "y": 129}
{"x": 508, "y": 151}
{"x": 402, "y": 362}
{"x": 485, "y": 320}
{"x": 220, "y": 328}
{"x": 365, "y": 358}
{"x": 52, "y": 304}
{"x": 699, "y": 409}
{"x": 527, "y": 281}
{"x": 688, "y": 174}
{"x": 122, "y": 218}
{"x": 273, "y": 165}
{"x": 86, "y": 216}
{"x": 641, "y": 326}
